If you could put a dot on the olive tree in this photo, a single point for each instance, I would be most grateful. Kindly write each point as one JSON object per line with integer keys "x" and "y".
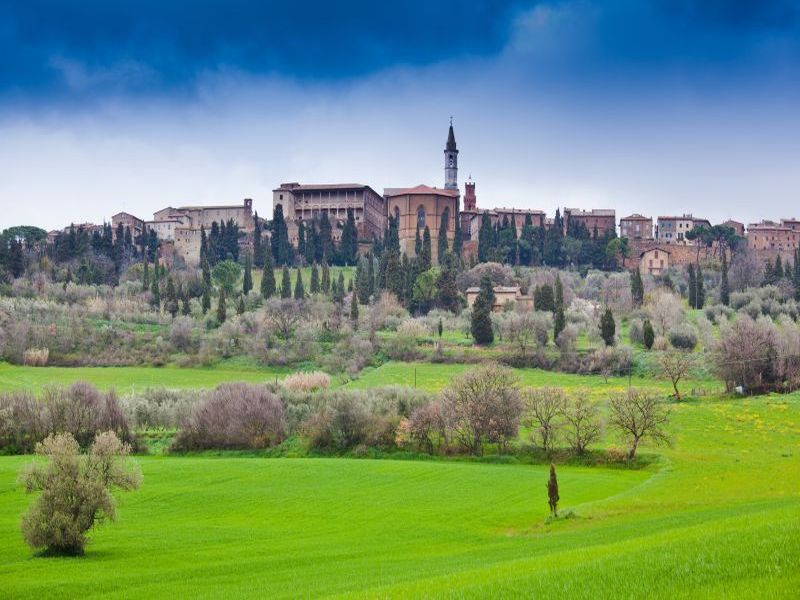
{"x": 675, "y": 365}
{"x": 75, "y": 490}
{"x": 582, "y": 424}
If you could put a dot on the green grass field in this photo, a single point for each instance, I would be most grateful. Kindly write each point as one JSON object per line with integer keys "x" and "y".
{"x": 433, "y": 377}
{"x": 718, "y": 515}
{"x": 129, "y": 379}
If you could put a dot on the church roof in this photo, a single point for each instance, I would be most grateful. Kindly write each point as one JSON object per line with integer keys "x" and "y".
{"x": 451, "y": 139}
{"x": 420, "y": 190}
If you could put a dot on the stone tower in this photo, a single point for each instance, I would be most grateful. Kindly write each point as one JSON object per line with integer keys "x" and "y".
{"x": 470, "y": 199}
{"x": 451, "y": 161}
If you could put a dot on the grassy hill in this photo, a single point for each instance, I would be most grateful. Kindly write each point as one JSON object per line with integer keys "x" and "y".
{"x": 718, "y": 515}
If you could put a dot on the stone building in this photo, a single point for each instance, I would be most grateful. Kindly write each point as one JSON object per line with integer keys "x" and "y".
{"x": 602, "y": 219}
{"x": 503, "y": 296}
{"x": 737, "y": 226}
{"x": 180, "y": 227}
{"x": 636, "y": 227}
{"x": 673, "y": 230}
{"x": 776, "y": 237}
{"x": 420, "y": 206}
{"x": 423, "y": 205}
{"x": 307, "y": 202}
{"x": 128, "y": 221}
{"x": 654, "y": 261}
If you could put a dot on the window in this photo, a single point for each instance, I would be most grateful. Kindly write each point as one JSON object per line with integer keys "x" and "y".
{"x": 421, "y": 217}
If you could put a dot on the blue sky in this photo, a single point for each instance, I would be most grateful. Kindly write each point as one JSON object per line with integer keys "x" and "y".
{"x": 657, "y": 107}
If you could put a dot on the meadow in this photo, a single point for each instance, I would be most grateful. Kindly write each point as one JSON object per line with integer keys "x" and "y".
{"x": 715, "y": 515}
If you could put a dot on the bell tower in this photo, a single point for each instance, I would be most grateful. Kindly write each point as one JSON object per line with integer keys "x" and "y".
{"x": 451, "y": 161}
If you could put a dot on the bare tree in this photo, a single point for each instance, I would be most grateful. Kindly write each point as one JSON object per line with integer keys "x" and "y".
{"x": 544, "y": 407}
{"x": 639, "y": 414}
{"x": 666, "y": 311}
{"x": 582, "y": 422}
{"x": 483, "y": 405}
{"x": 745, "y": 271}
{"x": 675, "y": 365}
{"x": 283, "y": 313}
{"x": 745, "y": 354}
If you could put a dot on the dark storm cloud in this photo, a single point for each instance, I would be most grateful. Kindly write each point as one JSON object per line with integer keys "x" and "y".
{"x": 52, "y": 45}
{"x": 51, "y": 49}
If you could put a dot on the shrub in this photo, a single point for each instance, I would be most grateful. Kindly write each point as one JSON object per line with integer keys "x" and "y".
{"x": 427, "y": 428}
{"x": 306, "y": 381}
{"x": 648, "y": 334}
{"x": 636, "y": 331}
{"x": 36, "y": 357}
{"x": 76, "y": 490}
{"x": 608, "y": 360}
{"x": 180, "y": 333}
{"x": 159, "y": 408}
{"x": 402, "y": 347}
{"x": 483, "y": 405}
{"x": 683, "y": 337}
{"x": 236, "y": 416}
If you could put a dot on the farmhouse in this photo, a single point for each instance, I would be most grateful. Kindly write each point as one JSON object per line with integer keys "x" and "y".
{"x": 503, "y": 296}
{"x": 654, "y": 261}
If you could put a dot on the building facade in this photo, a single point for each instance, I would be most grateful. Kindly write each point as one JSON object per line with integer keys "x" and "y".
{"x": 636, "y": 227}
{"x": 422, "y": 206}
{"x": 737, "y": 226}
{"x": 504, "y": 296}
{"x": 307, "y": 202}
{"x": 128, "y": 221}
{"x": 673, "y": 230}
{"x": 654, "y": 261}
{"x": 768, "y": 235}
{"x": 602, "y": 219}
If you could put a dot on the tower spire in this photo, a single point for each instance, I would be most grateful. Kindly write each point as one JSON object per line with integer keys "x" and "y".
{"x": 451, "y": 160}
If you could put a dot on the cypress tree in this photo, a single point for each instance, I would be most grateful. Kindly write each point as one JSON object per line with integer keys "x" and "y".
{"x": 648, "y": 334}
{"x": 559, "y": 294}
{"x": 559, "y": 322}
{"x": 311, "y": 243}
{"x": 370, "y": 274}
{"x": 485, "y": 238}
{"x": 280, "y": 237}
{"x": 258, "y": 250}
{"x": 481, "y": 322}
{"x": 171, "y": 298}
{"x": 326, "y": 278}
{"x": 362, "y": 283}
{"x": 724, "y": 289}
{"x": 286, "y": 283}
{"x": 608, "y": 327}
{"x": 221, "y": 309}
{"x": 206, "y": 300}
{"x": 446, "y": 286}
{"x": 417, "y": 242}
{"x": 552, "y": 491}
{"x": 544, "y": 298}
{"x": 348, "y": 247}
{"x": 637, "y": 287}
{"x": 145, "y": 274}
{"x": 692, "y": 286}
{"x": 700, "y": 296}
{"x": 314, "y": 285}
{"x": 155, "y": 291}
{"x": 441, "y": 242}
{"x": 327, "y": 251}
{"x": 240, "y": 306}
{"x": 778, "y": 271}
{"x": 394, "y": 274}
{"x": 206, "y": 273}
{"x": 247, "y": 282}
{"x": 337, "y": 294}
{"x": 425, "y": 257}
{"x": 299, "y": 290}
{"x": 186, "y": 309}
{"x": 354, "y": 308}
{"x": 458, "y": 242}
{"x": 267, "y": 274}
{"x": 301, "y": 238}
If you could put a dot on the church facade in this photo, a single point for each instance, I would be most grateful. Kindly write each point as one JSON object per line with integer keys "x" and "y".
{"x": 420, "y": 206}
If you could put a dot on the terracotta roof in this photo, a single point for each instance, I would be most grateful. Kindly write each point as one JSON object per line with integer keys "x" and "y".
{"x": 307, "y": 187}
{"x": 636, "y": 217}
{"x": 664, "y": 250}
{"x": 595, "y": 212}
{"x": 421, "y": 190}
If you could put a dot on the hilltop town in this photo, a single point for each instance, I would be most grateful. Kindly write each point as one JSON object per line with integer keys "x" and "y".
{"x": 654, "y": 244}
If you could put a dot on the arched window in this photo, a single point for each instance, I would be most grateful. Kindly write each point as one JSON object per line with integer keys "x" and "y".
{"x": 421, "y": 217}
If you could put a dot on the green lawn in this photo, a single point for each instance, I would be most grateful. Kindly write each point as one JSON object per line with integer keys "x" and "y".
{"x": 127, "y": 379}
{"x": 433, "y": 377}
{"x": 717, "y": 516}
